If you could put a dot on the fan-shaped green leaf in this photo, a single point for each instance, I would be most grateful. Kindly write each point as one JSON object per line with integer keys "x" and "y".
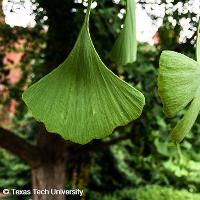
{"x": 82, "y": 99}
{"x": 178, "y": 81}
{"x": 186, "y": 123}
{"x": 125, "y": 48}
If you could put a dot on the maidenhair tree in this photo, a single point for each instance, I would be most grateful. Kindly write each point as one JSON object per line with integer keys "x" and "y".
{"x": 83, "y": 100}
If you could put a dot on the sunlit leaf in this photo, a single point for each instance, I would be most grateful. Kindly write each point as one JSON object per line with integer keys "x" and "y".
{"x": 178, "y": 81}
{"x": 82, "y": 99}
{"x": 125, "y": 48}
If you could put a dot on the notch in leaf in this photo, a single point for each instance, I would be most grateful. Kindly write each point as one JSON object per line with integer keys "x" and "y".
{"x": 124, "y": 50}
{"x": 81, "y": 99}
{"x": 178, "y": 87}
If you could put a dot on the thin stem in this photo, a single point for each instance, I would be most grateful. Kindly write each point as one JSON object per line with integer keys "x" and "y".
{"x": 88, "y": 12}
{"x": 179, "y": 151}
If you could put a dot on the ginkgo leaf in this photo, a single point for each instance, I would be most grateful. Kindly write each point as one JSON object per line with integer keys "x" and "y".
{"x": 178, "y": 81}
{"x": 124, "y": 50}
{"x": 82, "y": 99}
{"x": 186, "y": 123}
{"x": 198, "y": 44}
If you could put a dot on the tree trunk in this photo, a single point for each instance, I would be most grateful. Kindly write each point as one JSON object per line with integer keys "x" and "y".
{"x": 53, "y": 150}
{"x": 49, "y": 173}
{"x": 48, "y": 177}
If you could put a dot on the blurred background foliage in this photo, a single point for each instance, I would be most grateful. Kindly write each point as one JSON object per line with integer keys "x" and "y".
{"x": 145, "y": 165}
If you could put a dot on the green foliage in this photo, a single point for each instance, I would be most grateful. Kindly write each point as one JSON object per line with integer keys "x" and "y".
{"x": 151, "y": 192}
{"x": 148, "y": 157}
{"x": 136, "y": 161}
{"x": 17, "y": 198}
{"x": 125, "y": 50}
{"x": 83, "y": 90}
{"x": 13, "y": 172}
{"x": 122, "y": 156}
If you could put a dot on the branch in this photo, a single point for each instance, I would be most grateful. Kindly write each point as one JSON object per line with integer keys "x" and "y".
{"x": 18, "y": 146}
{"x": 99, "y": 145}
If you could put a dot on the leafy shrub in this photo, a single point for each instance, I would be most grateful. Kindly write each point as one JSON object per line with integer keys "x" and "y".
{"x": 153, "y": 192}
{"x": 13, "y": 172}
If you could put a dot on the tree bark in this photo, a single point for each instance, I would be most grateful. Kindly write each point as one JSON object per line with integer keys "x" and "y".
{"x": 54, "y": 151}
{"x": 62, "y": 31}
{"x": 50, "y": 173}
{"x": 48, "y": 177}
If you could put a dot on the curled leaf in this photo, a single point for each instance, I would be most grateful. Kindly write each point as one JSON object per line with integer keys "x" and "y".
{"x": 82, "y": 99}
{"x": 124, "y": 50}
{"x": 178, "y": 85}
{"x": 178, "y": 80}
